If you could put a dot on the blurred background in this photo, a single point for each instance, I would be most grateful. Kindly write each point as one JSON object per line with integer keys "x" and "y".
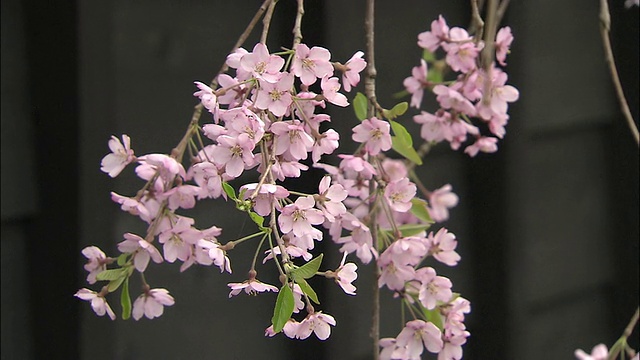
{"x": 547, "y": 227}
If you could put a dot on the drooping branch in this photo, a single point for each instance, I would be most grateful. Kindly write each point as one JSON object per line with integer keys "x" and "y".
{"x": 605, "y": 24}
{"x": 297, "y": 27}
{"x": 370, "y": 91}
{"x": 266, "y": 22}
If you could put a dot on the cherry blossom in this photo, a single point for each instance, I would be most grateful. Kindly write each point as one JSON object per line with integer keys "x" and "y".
{"x": 142, "y": 250}
{"x": 345, "y": 275}
{"x": 97, "y": 262}
{"x": 504, "y": 38}
{"x": 330, "y": 87}
{"x": 417, "y": 335}
{"x": 309, "y": 64}
{"x": 98, "y": 302}
{"x": 351, "y": 76}
{"x": 121, "y": 155}
{"x": 275, "y": 96}
{"x": 208, "y": 98}
{"x": 317, "y": 323}
{"x": 416, "y": 83}
{"x": 261, "y": 64}
{"x": 442, "y": 247}
{"x": 433, "y": 288}
{"x": 151, "y": 304}
{"x": 431, "y": 40}
{"x": 399, "y": 194}
{"x": 599, "y": 352}
{"x": 374, "y": 134}
{"x": 440, "y": 201}
{"x": 250, "y": 287}
{"x": 299, "y": 217}
{"x": 483, "y": 143}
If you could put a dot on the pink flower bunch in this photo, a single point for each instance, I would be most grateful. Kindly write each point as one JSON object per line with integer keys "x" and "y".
{"x": 475, "y": 93}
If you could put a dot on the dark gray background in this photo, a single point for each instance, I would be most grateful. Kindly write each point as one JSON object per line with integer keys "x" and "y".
{"x": 547, "y": 227}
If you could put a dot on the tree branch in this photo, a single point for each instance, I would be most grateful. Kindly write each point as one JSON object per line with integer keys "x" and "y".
{"x": 605, "y": 23}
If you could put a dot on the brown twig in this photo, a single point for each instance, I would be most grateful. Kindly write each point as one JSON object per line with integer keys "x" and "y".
{"x": 266, "y": 21}
{"x": 502, "y": 9}
{"x": 370, "y": 91}
{"x": 488, "y": 52}
{"x": 605, "y": 23}
{"x": 477, "y": 24}
{"x": 297, "y": 27}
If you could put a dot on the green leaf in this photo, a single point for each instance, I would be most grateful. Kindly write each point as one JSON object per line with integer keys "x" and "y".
{"x": 256, "y": 218}
{"x": 433, "y": 316}
{"x": 419, "y": 210}
{"x": 307, "y": 289}
{"x": 122, "y": 259}
{"x": 229, "y": 190}
{"x": 284, "y": 308}
{"x": 307, "y": 270}
{"x": 435, "y": 76}
{"x": 125, "y": 300}
{"x": 411, "y": 229}
{"x": 402, "y": 143}
{"x": 397, "y": 110}
{"x": 428, "y": 56}
{"x": 115, "y": 284}
{"x": 112, "y": 274}
{"x": 360, "y": 103}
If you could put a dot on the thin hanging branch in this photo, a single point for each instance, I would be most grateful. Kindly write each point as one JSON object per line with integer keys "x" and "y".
{"x": 370, "y": 91}
{"x": 605, "y": 25}
{"x": 266, "y": 22}
{"x": 297, "y": 27}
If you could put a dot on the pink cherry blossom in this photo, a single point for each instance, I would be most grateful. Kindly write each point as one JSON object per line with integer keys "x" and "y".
{"x": 433, "y": 288}
{"x": 431, "y": 40}
{"x": 142, "y": 250}
{"x": 267, "y": 194}
{"x": 167, "y": 167}
{"x": 330, "y": 87}
{"x": 178, "y": 238}
{"x": 235, "y": 154}
{"x": 317, "y": 323}
{"x": 434, "y": 127}
{"x": 98, "y": 302}
{"x": 415, "y": 335}
{"x": 261, "y": 64}
{"x": 351, "y": 76}
{"x": 399, "y": 194}
{"x": 354, "y": 166}
{"x": 599, "y": 352}
{"x": 275, "y": 96}
{"x": 442, "y": 247}
{"x": 208, "y": 98}
{"x": 393, "y": 275}
{"x": 374, "y": 134}
{"x": 183, "y": 196}
{"x": 209, "y": 179}
{"x": 416, "y": 83}
{"x": 326, "y": 143}
{"x": 97, "y": 262}
{"x": 345, "y": 275}
{"x": 300, "y": 216}
{"x": 330, "y": 198}
{"x": 504, "y": 38}
{"x": 121, "y": 155}
{"x": 250, "y": 287}
{"x": 359, "y": 241}
{"x": 484, "y": 144}
{"x": 292, "y": 139}
{"x": 151, "y": 304}
{"x": 440, "y": 201}
{"x": 452, "y": 99}
{"x": 309, "y": 64}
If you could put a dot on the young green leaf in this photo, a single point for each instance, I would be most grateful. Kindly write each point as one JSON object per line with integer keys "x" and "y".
{"x": 433, "y": 316}
{"x": 435, "y": 76}
{"x": 125, "y": 300}
{"x": 229, "y": 190}
{"x": 402, "y": 143}
{"x": 307, "y": 289}
{"x": 122, "y": 259}
{"x": 400, "y": 108}
{"x": 307, "y": 270}
{"x": 115, "y": 284}
{"x": 360, "y": 106}
{"x": 284, "y": 308}
{"x": 259, "y": 220}
{"x": 410, "y": 230}
{"x": 419, "y": 210}
{"x": 111, "y": 274}
{"x": 428, "y": 56}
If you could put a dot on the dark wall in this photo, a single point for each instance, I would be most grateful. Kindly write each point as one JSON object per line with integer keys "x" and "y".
{"x": 547, "y": 227}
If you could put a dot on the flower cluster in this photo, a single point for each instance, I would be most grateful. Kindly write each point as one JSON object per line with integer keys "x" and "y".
{"x": 476, "y": 92}
{"x": 267, "y": 120}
